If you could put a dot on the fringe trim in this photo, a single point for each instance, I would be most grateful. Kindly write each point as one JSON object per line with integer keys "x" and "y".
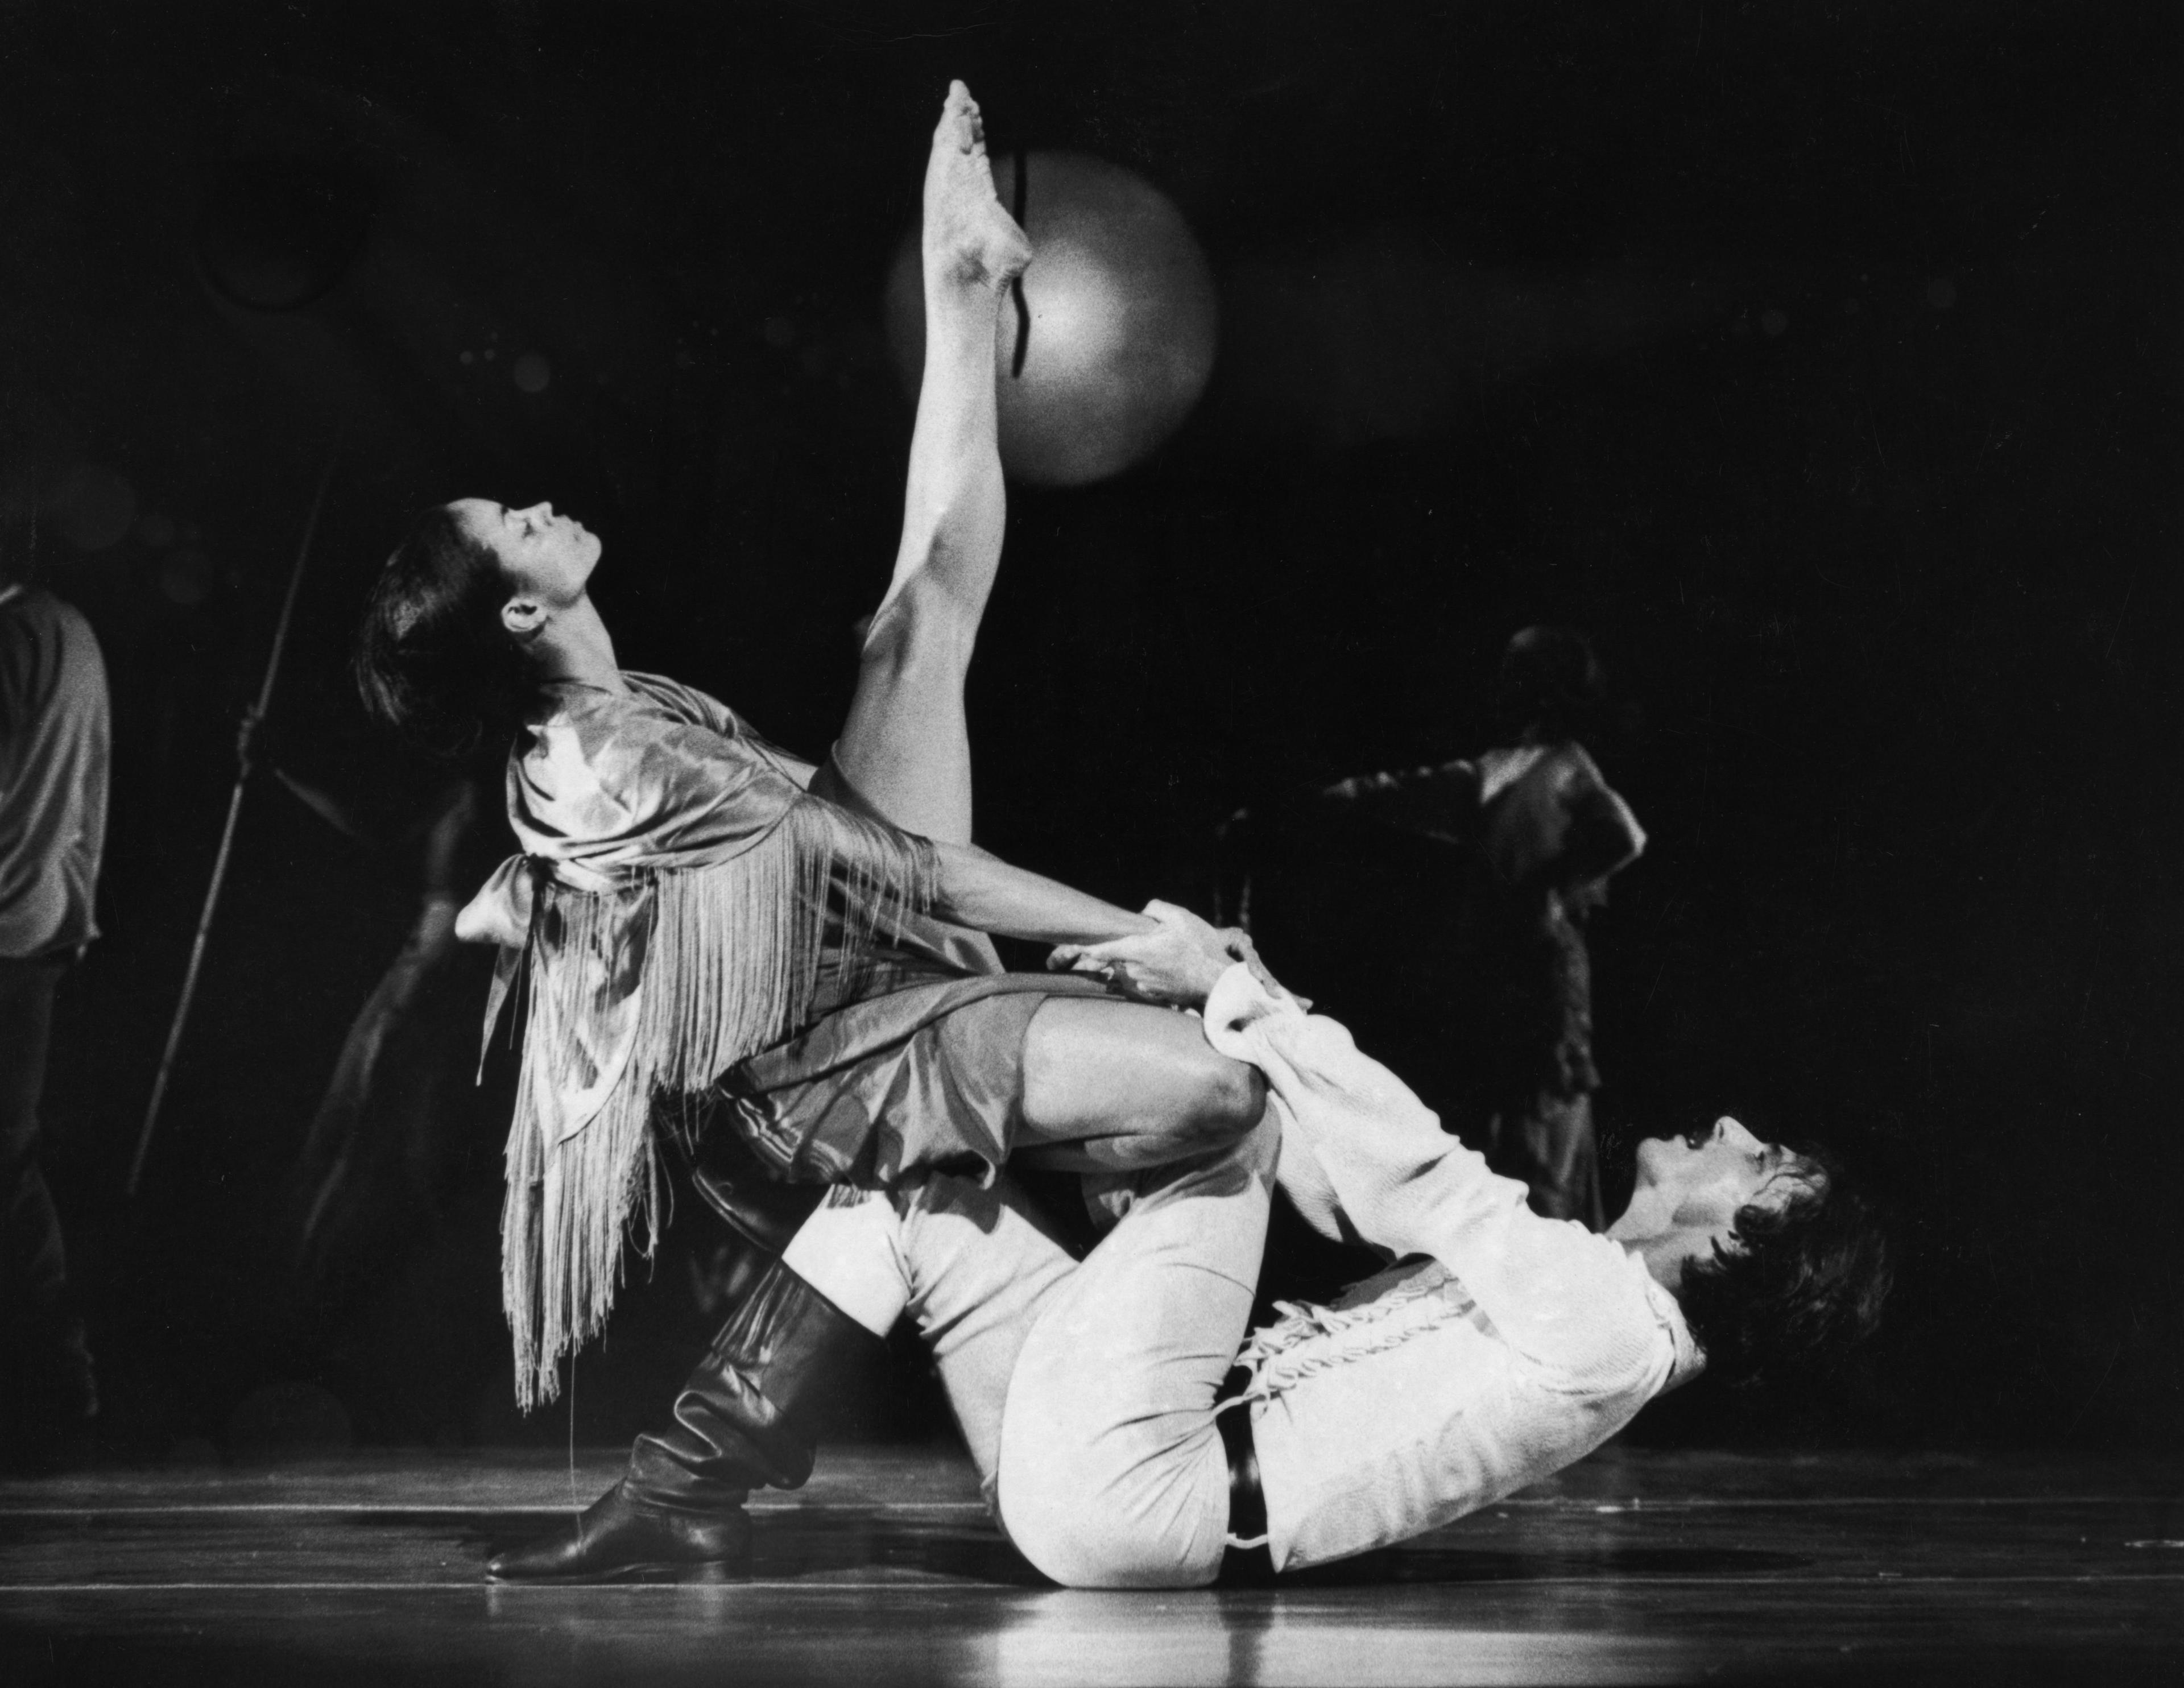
{"x": 1308, "y": 1339}
{"x": 650, "y": 992}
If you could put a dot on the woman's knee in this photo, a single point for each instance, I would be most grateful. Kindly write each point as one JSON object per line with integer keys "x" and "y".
{"x": 1141, "y": 1081}
{"x": 1227, "y": 1099}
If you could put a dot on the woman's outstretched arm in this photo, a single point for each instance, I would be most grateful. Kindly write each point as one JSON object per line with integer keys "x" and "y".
{"x": 985, "y": 893}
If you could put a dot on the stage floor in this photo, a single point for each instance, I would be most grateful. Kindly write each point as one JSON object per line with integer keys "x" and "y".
{"x": 1631, "y": 1567}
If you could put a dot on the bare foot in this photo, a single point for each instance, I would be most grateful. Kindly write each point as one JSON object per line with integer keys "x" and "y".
{"x": 968, "y": 239}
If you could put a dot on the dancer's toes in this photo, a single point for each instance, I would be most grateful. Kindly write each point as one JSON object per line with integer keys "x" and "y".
{"x": 968, "y": 238}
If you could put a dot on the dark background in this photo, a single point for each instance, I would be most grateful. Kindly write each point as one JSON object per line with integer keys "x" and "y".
{"x": 1821, "y": 359}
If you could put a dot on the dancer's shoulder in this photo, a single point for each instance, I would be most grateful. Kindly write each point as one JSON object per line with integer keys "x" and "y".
{"x": 686, "y": 703}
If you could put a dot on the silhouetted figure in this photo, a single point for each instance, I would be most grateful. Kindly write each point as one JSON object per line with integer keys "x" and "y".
{"x": 1490, "y": 866}
{"x": 54, "y": 751}
{"x": 371, "y": 1161}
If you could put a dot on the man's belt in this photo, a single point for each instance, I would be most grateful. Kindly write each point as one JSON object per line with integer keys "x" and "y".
{"x": 1248, "y": 1563}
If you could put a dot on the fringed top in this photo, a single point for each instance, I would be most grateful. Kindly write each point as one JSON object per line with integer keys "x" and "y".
{"x": 678, "y": 896}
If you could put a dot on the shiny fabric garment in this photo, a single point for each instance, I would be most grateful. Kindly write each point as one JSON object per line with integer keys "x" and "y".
{"x": 694, "y": 905}
{"x": 927, "y": 1077}
{"x": 923, "y": 1070}
{"x": 681, "y": 902}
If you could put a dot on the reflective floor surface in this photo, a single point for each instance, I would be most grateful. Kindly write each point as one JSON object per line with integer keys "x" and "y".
{"x": 1631, "y": 1567}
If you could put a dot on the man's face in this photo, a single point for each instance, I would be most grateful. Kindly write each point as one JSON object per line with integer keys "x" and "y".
{"x": 542, "y": 556}
{"x": 1709, "y": 1177}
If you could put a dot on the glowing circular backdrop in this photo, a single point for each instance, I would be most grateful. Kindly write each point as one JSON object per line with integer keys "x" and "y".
{"x": 1112, "y": 337}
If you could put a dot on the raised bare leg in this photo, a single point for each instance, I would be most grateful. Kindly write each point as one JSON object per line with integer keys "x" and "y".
{"x": 907, "y": 745}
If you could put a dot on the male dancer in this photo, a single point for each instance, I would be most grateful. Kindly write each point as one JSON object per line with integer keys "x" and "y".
{"x": 1501, "y": 1346}
{"x": 694, "y": 905}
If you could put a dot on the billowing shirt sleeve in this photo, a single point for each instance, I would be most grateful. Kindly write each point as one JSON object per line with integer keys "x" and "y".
{"x": 1359, "y": 1146}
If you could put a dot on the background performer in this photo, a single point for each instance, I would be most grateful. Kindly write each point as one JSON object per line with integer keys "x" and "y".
{"x": 55, "y": 742}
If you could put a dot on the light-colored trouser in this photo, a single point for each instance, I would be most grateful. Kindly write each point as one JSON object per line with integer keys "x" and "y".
{"x": 1085, "y": 1392}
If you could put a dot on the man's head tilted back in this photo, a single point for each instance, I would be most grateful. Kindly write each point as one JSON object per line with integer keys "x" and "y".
{"x": 1778, "y": 1260}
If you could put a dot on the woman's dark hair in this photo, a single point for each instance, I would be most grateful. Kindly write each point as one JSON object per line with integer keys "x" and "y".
{"x": 432, "y": 657}
{"x": 1803, "y": 1282}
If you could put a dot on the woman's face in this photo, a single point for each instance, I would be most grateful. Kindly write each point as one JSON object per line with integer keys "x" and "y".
{"x": 542, "y": 556}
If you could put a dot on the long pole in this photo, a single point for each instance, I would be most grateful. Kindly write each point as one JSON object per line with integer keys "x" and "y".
{"x": 244, "y": 741}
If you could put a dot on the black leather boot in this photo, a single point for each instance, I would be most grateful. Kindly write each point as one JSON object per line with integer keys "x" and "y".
{"x": 743, "y": 1420}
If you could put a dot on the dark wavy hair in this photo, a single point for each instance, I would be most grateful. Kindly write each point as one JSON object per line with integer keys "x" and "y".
{"x": 1802, "y": 1284}
{"x": 432, "y": 658}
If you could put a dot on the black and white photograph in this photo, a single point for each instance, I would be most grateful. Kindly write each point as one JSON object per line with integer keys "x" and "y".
{"x": 1540, "y": 1043}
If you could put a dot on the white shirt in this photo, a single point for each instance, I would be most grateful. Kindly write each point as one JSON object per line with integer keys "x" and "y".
{"x": 1505, "y": 1347}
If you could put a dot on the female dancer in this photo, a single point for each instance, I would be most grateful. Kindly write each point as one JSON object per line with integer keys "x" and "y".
{"x": 698, "y": 912}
